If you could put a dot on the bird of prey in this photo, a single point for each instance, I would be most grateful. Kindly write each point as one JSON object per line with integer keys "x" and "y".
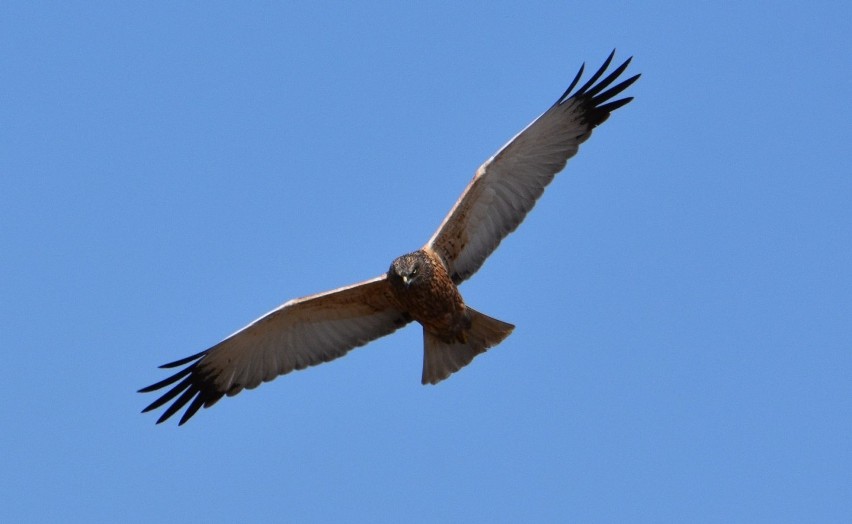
{"x": 421, "y": 286}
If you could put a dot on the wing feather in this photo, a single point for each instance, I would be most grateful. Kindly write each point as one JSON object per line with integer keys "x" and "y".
{"x": 301, "y": 333}
{"x": 506, "y": 187}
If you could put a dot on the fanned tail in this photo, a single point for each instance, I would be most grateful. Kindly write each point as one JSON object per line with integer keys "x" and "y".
{"x": 441, "y": 359}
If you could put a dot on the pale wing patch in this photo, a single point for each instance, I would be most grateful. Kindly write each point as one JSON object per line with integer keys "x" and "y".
{"x": 508, "y": 184}
{"x": 301, "y": 333}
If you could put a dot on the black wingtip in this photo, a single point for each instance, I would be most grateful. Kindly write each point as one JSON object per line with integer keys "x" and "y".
{"x": 170, "y": 380}
{"x": 596, "y": 94}
{"x": 190, "y": 386}
{"x": 193, "y": 408}
{"x": 183, "y": 361}
{"x": 598, "y": 73}
{"x": 564, "y": 95}
{"x": 612, "y": 106}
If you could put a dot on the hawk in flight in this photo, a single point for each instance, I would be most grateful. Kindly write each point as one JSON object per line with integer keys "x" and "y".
{"x": 422, "y": 285}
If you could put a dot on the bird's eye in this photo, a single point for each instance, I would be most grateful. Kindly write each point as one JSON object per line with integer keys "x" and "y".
{"x": 414, "y": 271}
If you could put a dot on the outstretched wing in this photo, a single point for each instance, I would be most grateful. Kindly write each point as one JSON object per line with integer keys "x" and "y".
{"x": 506, "y": 187}
{"x": 301, "y": 333}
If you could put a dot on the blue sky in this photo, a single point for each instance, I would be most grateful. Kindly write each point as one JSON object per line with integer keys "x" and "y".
{"x": 682, "y": 292}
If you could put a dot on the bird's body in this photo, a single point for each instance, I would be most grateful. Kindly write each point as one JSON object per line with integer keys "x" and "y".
{"x": 423, "y": 289}
{"x": 453, "y": 333}
{"x": 421, "y": 286}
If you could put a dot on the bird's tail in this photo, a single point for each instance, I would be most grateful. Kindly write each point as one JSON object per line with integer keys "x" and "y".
{"x": 441, "y": 358}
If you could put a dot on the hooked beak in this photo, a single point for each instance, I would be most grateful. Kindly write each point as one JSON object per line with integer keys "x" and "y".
{"x": 406, "y": 279}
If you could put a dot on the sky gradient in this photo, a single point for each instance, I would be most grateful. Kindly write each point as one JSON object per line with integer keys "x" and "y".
{"x": 682, "y": 292}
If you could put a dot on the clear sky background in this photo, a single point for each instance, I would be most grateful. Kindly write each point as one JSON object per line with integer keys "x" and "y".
{"x": 682, "y": 292}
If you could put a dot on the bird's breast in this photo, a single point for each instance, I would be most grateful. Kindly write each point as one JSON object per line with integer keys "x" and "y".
{"x": 434, "y": 301}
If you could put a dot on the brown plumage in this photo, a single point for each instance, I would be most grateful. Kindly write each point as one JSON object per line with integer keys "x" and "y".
{"x": 453, "y": 333}
{"x": 420, "y": 286}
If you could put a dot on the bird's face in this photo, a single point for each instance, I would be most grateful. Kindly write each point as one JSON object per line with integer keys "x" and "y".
{"x": 408, "y": 269}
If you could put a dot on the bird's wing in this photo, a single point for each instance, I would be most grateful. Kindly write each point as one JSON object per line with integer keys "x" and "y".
{"x": 506, "y": 187}
{"x": 300, "y": 333}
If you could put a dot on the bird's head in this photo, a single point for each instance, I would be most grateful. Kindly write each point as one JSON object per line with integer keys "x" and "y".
{"x": 408, "y": 270}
